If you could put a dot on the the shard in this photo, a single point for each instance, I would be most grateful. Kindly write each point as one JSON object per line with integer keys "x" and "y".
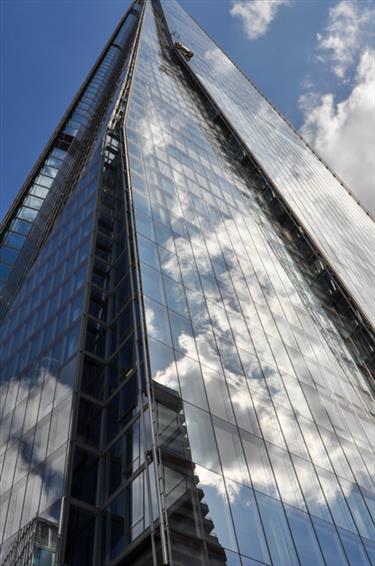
{"x": 186, "y": 326}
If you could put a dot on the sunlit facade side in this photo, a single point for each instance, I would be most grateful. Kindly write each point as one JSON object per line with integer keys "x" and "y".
{"x": 340, "y": 227}
{"x": 188, "y": 386}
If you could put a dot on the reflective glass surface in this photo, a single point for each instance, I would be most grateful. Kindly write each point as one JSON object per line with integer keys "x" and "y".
{"x": 235, "y": 330}
{"x": 340, "y": 227}
{"x": 52, "y": 175}
{"x": 263, "y": 448}
{"x": 39, "y": 340}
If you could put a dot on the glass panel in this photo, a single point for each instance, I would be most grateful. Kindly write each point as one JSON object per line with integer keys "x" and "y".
{"x": 354, "y": 548}
{"x": 217, "y": 393}
{"x": 242, "y": 405}
{"x": 358, "y": 508}
{"x": 277, "y": 531}
{"x": 337, "y": 456}
{"x": 268, "y": 421}
{"x": 285, "y": 477}
{"x": 148, "y": 252}
{"x": 152, "y": 283}
{"x": 336, "y": 500}
{"x": 215, "y": 497}
{"x": 175, "y": 296}
{"x": 258, "y": 464}
{"x": 247, "y": 524}
{"x": 370, "y": 548}
{"x": 292, "y": 433}
{"x": 182, "y": 335}
{"x": 304, "y": 537}
{"x": 330, "y": 543}
{"x": 191, "y": 382}
{"x": 311, "y": 489}
{"x": 201, "y": 437}
{"x": 163, "y": 367}
{"x": 315, "y": 444}
{"x": 230, "y": 451}
{"x": 157, "y": 322}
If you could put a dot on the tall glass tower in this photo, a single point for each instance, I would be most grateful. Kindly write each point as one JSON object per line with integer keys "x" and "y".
{"x": 186, "y": 333}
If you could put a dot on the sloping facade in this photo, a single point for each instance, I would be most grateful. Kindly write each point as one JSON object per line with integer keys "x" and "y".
{"x": 187, "y": 358}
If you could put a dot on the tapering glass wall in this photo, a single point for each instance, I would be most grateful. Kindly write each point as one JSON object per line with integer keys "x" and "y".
{"x": 39, "y": 343}
{"x": 277, "y": 413}
{"x": 166, "y": 299}
{"x": 340, "y": 227}
{"x": 41, "y": 331}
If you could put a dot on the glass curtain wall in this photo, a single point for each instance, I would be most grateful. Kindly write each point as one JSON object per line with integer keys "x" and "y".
{"x": 340, "y": 227}
{"x": 219, "y": 417}
{"x": 41, "y": 334}
{"x": 280, "y": 437}
{"x": 40, "y": 341}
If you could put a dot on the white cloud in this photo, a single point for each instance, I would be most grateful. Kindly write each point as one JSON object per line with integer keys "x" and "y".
{"x": 256, "y": 15}
{"x": 344, "y": 132}
{"x": 348, "y": 30}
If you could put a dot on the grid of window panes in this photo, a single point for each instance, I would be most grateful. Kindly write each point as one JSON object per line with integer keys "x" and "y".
{"x": 278, "y": 428}
{"x": 35, "y": 545}
{"x": 109, "y": 470}
{"x": 59, "y": 159}
{"x": 39, "y": 343}
{"x": 341, "y": 228}
{"x": 21, "y": 225}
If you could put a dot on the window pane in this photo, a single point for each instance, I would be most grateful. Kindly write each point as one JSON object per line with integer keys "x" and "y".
{"x": 157, "y": 321}
{"x": 152, "y": 284}
{"x": 144, "y": 224}
{"x": 336, "y": 500}
{"x": 242, "y": 404}
{"x": 358, "y": 508}
{"x": 215, "y": 497}
{"x": 329, "y": 542}
{"x": 217, "y": 393}
{"x": 163, "y": 367}
{"x": 285, "y": 477}
{"x": 354, "y": 548}
{"x": 27, "y": 214}
{"x": 230, "y": 450}
{"x": 268, "y": 421}
{"x": 148, "y": 252}
{"x": 304, "y": 538}
{"x": 311, "y": 489}
{"x": 201, "y": 438}
{"x": 313, "y": 441}
{"x": 175, "y": 296}
{"x": 258, "y": 464}
{"x": 247, "y": 524}
{"x": 292, "y": 433}
{"x": 277, "y": 531}
{"x": 337, "y": 456}
{"x": 182, "y": 335}
{"x": 191, "y": 382}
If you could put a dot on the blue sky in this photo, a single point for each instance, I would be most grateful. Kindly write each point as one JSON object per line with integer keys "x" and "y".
{"x": 312, "y": 59}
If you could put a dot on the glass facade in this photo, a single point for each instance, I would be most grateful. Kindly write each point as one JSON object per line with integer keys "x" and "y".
{"x": 181, "y": 387}
{"x": 342, "y": 229}
{"x": 42, "y": 324}
{"x": 35, "y": 545}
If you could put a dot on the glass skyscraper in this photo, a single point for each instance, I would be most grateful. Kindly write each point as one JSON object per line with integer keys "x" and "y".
{"x": 186, "y": 326}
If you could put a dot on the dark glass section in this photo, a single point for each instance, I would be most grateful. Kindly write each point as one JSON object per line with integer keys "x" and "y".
{"x": 81, "y": 535}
